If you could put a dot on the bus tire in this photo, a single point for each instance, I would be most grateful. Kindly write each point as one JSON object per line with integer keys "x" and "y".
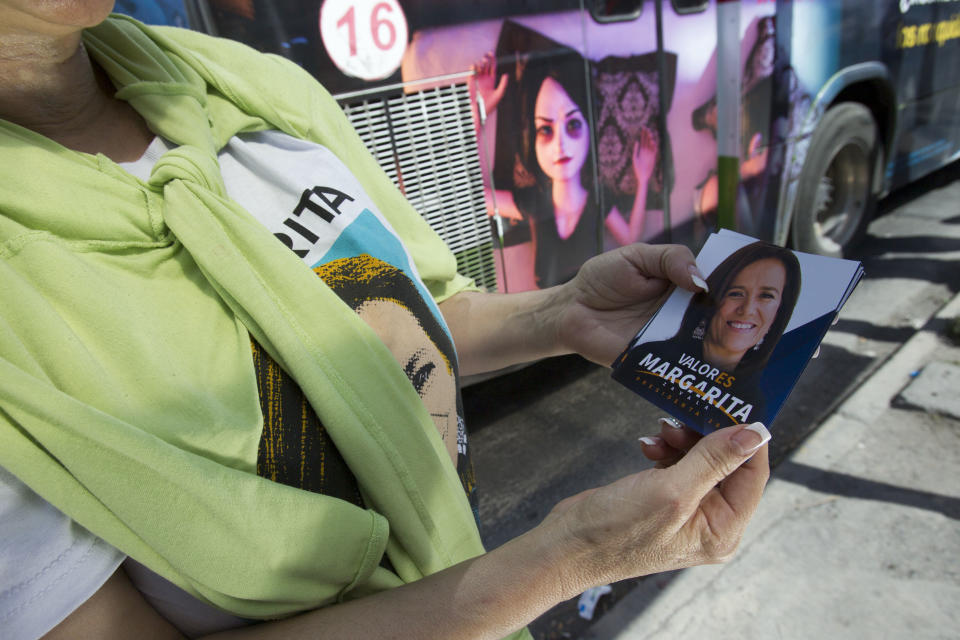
{"x": 835, "y": 195}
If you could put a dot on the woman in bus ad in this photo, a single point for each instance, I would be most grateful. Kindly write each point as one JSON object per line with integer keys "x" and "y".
{"x": 554, "y": 191}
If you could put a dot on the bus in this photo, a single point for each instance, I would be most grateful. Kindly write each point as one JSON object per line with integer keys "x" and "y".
{"x": 533, "y": 134}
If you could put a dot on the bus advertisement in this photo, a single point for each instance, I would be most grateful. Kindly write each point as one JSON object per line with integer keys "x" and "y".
{"x": 535, "y": 134}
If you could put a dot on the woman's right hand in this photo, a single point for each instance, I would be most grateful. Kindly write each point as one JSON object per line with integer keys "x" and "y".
{"x": 691, "y": 511}
{"x": 484, "y": 82}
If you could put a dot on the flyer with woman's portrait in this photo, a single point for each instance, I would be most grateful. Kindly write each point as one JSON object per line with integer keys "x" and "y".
{"x": 732, "y": 354}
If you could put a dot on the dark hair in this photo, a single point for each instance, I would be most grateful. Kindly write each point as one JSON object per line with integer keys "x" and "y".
{"x": 569, "y": 72}
{"x": 365, "y": 278}
{"x": 703, "y": 305}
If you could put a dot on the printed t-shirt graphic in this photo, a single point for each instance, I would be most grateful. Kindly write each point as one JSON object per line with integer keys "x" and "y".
{"x": 305, "y": 196}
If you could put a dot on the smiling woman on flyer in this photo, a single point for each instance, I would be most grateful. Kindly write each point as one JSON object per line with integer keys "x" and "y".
{"x": 750, "y": 300}
{"x": 728, "y": 333}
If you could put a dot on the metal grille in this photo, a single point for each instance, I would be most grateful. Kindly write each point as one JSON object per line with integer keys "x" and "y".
{"x": 425, "y": 142}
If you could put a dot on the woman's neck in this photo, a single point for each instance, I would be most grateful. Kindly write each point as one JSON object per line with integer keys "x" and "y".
{"x": 47, "y": 83}
{"x": 569, "y": 201}
{"x": 721, "y": 358}
{"x": 50, "y": 86}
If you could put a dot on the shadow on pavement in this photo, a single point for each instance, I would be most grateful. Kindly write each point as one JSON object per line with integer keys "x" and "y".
{"x": 934, "y": 270}
{"x": 849, "y": 486}
{"x": 914, "y": 244}
{"x": 515, "y": 391}
{"x": 824, "y": 384}
{"x": 953, "y": 220}
{"x": 872, "y": 331}
{"x": 904, "y": 195}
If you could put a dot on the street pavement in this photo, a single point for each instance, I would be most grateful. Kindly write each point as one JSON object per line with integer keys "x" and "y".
{"x": 560, "y": 426}
{"x": 858, "y": 533}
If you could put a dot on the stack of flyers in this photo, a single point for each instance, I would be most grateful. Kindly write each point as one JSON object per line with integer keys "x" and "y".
{"x": 733, "y": 354}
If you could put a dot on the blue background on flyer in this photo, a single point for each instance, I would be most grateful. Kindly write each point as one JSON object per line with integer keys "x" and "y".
{"x": 788, "y": 361}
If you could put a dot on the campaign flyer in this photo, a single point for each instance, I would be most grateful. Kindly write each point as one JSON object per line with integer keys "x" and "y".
{"x": 733, "y": 354}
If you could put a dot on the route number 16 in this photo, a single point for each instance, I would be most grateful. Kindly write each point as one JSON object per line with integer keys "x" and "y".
{"x": 364, "y": 38}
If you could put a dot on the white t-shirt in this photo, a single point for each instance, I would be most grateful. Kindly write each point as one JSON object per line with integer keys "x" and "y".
{"x": 309, "y": 200}
{"x": 49, "y": 565}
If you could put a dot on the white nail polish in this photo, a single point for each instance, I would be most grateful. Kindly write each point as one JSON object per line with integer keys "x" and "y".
{"x": 648, "y": 441}
{"x": 700, "y": 282}
{"x": 671, "y": 422}
{"x": 759, "y": 429}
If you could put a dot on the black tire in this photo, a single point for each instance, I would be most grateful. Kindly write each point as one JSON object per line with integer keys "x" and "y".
{"x": 836, "y": 194}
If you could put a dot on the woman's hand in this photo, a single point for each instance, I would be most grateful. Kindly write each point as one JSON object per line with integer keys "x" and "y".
{"x": 595, "y": 314}
{"x": 615, "y": 293}
{"x": 643, "y": 160}
{"x": 756, "y": 160}
{"x": 693, "y": 511}
{"x": 484, "y": 82}
{"x": 644, "y": 157}
{"x": 671, "y": 444}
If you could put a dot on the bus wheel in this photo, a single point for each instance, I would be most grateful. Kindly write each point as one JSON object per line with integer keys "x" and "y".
{"x": 835, "y": 194}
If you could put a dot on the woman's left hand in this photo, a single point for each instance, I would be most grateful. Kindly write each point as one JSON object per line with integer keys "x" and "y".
{"x": 595, "y": 314}
{"x": 615, "y": 293}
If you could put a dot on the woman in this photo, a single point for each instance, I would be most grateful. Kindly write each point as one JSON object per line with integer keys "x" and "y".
{"x": 213, "y": 415}
{"x": 750, "y": 300}
{"x": 559, "y": 201}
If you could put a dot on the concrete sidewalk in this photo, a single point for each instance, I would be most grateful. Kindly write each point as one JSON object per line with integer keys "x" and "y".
{"x": 858, "y": 534}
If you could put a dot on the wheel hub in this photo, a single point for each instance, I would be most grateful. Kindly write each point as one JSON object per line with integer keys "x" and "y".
{"x": 841, "y": 197}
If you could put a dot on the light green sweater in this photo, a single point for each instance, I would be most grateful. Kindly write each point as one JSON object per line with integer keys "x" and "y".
{"x": 127, "y": 390}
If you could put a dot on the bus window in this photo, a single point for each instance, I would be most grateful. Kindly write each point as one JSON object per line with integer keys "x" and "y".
{"x": 689, "y": 6}
{"x": 615, "y": 10}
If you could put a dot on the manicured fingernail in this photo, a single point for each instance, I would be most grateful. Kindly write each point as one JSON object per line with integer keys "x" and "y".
{"x": 836, "y": 319}
{"x": 697, "y": 278}
{"x": 671, "y": 422}
{"x": 817, "y": 352}
{"x": 751, "y": 437}
{"x": 650, "y": 442}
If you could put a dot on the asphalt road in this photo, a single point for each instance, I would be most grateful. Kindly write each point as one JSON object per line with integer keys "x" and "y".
{"x": 560, "y": 426}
